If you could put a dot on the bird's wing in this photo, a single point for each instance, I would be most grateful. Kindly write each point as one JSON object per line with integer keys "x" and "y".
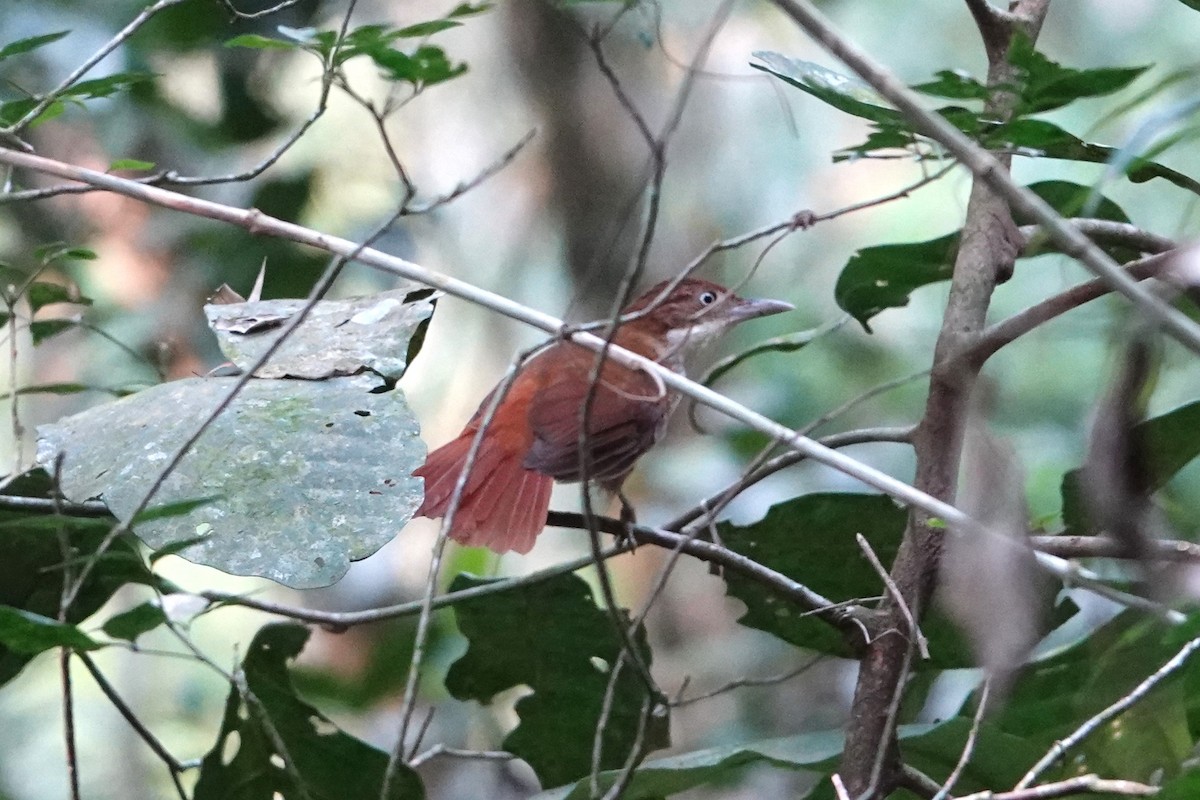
{"x": 627, "y": 415}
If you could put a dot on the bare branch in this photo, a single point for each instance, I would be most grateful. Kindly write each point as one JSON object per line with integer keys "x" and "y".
{"x": 1060, "y": 748}
{"x": 146, "y": 735}
{"x": 969, "y": 746}
{"x": 1105, "y": 547}
{"x": 894, "y": 592}
{"x": 1092, "y": 784}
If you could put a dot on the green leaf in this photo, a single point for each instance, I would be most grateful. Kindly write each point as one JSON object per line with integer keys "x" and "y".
{"x": 884, "y": 276}
{"x": 176, "y": 508}
{"x": 469, "y": 10}
{"x": 1038, "y": 138}
{"x": 302, "y": 464}
{"x": 1056, "y": 695}
{"x": 552, "y": 638}
{"x": 955, "y": 86}
{"x": 422, "y": 29}
{"x": 175, "y": 548}
{"x": 276, "y": 745}
{"x": 133, "y": 623}
{"x": 811, "y": 539}
{"x": 843, "y": 92}
{"x": 31, "y": 563}
{"x": 1045, "y": 85}
{"x": 1170, "y": 442}
{"x": 44, "y": 329}
{"x": 427, "y": 66}
{"x": 28, "y": 45}
{"x": 108, "y": 85}
{"x": 881, "y": 277}
{"x": 15, "y": 110}
{"x": 28, "y": 633}
{"x": 256, "y": 42}
{"x": 43, "y": 294}
{"x": 130, "y": 164}
{"x": 58, "y": 251}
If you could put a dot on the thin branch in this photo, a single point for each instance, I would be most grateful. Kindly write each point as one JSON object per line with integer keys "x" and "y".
{"x": 894, "y": 592}
{"x": 1106, "y": 232}
{"x": 68, "y": 716}
{"x": 969, "y": 746}
{"x": 441, "y": 751}
{"x": 1009, "y": 330}
{"x": 1060, "y": 748}
{"x": 985, "y": 165}
{"x": 112, "y": 44}
{"x": 706, "y": 507}
{"x": 174, "y": 767}
{"x": 257, "y": 14}
{"x": 740, "y": 683}
{"x": 259, "y": 223}
{"x": 397, "y": 755}
{"x": 1106, "y": 547}
{"x": 994, "y": 25}
{"x": 1091, "y": 783}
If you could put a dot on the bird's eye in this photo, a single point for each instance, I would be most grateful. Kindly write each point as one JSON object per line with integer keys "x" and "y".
{"x": 708, "y": 298}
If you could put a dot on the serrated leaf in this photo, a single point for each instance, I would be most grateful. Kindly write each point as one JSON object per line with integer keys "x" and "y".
{"x": 130, "y": 164}
{"x": 552, "y": 638}
{"x": 285, "y": 747}
{"x": 131, "y": 624}
{"x": 307, "y": 469}
{"x": 30, "y": 44}
{"x": 339, "y": 337}
{"x": 843, "y": 92}
{"x": 29, "y": 633}
{"x": 256, "y": 42}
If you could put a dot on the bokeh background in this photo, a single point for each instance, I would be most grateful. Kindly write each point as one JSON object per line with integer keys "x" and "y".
{"x": 555, "y": 229}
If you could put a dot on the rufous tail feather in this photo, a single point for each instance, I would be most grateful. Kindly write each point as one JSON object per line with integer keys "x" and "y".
{"x": 503, "y": 506}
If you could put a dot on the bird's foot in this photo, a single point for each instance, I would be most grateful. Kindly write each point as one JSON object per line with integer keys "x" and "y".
{"x": 628, "y": 520}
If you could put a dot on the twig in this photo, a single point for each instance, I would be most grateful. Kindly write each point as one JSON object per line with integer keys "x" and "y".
{"x": 1009, "y": 330}
{"x": 839, "y": 788}
{"x": 983, "y": 164}
{"x": 1084, "y": 783}
{"x": 969, "y": 746}
{"x": 740, "y": 683}
{"x": 68, "y": 714}
{"x": 174, "y": 767}
{"x": 1107, "y": 547}
{"x": 112, "y": 44}
{"x": 441, "y": 751}
{"x": 1113, "y": 711}
{"x": 713, "y": 503}
{"x": 894, "y": 592}
{"x": 261, "y": 223}
{"x": 397, "y": 756}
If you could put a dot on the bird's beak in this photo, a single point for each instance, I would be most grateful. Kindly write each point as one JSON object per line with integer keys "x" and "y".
{"x": 741, "y": 309}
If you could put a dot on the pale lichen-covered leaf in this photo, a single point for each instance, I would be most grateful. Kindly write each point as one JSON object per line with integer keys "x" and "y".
{"x": 309, "y": 476}
{"x": 339, "y": 337}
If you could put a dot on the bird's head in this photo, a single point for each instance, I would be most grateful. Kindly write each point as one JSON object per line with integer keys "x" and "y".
{"x": 695, "y": 312}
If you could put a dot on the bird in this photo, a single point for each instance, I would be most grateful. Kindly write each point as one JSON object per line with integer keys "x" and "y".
{"x": 533, "y": 437}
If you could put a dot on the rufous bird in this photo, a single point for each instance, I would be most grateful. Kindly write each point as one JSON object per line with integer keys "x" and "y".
{"x": 533, "y": 437}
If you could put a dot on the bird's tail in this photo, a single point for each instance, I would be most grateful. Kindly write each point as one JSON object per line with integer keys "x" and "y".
{"x": 503, "y": 506}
